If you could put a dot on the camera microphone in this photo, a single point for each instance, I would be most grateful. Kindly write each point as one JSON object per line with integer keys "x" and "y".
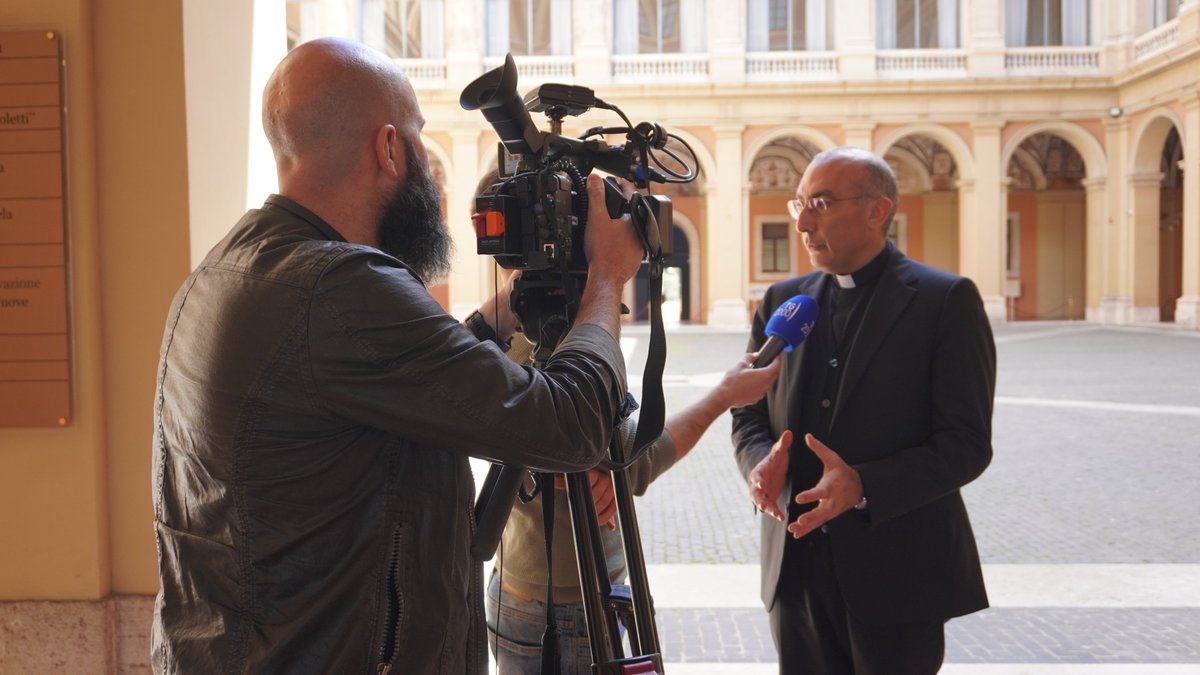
{"x": 787, "y": 328}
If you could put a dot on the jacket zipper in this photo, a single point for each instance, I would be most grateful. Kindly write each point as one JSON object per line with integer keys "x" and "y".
{"x": 395, "y": 609}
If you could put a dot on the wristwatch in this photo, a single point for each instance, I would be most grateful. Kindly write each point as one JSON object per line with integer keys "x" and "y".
{"x": 480, "y": 329}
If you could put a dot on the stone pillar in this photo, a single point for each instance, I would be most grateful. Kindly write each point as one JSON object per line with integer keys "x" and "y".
{"x": 592, "y": 22}
{"x": 983, "y": 220}
{"x": 1144, "y": 244}
{"x": 1115, "y": 300}
{"x": 469, "y": 285}
{"x": 1096, "y": 212}
{"x": 1187, "y": 309}
{"x": 230, "y": 165}
{"x": 984, "y": 39}
{"x": 726, "y": 41}
{"x": 726, "y": 252}
{"x": 859, "y": 135}
{"x": 464, "y": 42}
{"x": 854, "y": 38}
{"x": 1117, "y": 24}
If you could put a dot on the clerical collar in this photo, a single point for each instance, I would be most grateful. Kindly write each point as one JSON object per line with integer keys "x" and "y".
{"x": 867, "y": 274}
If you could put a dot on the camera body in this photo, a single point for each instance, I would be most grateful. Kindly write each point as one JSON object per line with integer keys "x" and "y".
{"x": 533, "y": 218}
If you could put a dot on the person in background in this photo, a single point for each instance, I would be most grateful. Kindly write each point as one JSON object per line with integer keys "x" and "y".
{"x": 866, "y": 546}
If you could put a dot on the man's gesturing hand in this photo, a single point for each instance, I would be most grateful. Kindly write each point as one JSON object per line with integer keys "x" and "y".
{"x": 768, "y": 478}
{"x": 839, "y": 489}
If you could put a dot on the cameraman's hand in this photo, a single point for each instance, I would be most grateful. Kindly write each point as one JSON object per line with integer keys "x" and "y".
{"x": 614, "y": 250}
{"x": 614, "y": 254}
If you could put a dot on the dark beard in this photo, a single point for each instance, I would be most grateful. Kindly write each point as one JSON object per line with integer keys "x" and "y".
{"x": 411, "y": 227}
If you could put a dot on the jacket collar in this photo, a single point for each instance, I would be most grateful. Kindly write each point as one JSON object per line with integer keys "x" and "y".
{"x": 289, "y": 205}
{"x": 896, "y": 288}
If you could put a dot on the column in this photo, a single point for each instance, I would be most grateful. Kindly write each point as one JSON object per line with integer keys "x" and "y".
{"x": 726, "y": 42}
{"x": 984, "y": 39}
{"x": 230, "y": 165}
{"x": 592, "y": 41}
{"x": 464, "y": 42}
{"x": 983, "y": 220}
{"x": 1118, "y": 25}
{"x": 854, "y": 38}
{"x": 726, "y": 254}
{"x": 1116, "y": 235}
{"x": 859, "y": 135}
{"x": 1144, "y": 244}
{"x": 1095, "y": 243}
{"x": 1187, "y": 309}
{"x": 469, "y": 283}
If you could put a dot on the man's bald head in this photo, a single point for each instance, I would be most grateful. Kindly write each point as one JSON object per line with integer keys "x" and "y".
{"x": 325, "y": 101}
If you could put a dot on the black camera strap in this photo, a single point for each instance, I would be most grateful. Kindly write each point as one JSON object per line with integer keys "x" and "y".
{"x": 550, "y": 663}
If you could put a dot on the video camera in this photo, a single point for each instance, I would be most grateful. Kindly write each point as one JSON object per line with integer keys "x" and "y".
{"x": 533, "y": 218}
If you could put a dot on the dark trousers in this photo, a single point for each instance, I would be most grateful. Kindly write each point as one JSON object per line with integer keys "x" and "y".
{"x": 816, "y": 635}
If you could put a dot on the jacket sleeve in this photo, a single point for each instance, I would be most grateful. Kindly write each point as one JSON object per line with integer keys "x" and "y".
{"x": 385, "y": 355}
{"x": 752, "y": 433}
{"x": 659, "y": 456}
{"x": 958, "y": 449}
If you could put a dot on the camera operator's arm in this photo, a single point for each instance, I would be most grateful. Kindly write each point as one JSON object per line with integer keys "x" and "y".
{"x": 614, "y": 254}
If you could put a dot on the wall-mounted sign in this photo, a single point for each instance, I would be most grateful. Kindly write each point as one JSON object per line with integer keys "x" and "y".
{"x": 35, "y": 341}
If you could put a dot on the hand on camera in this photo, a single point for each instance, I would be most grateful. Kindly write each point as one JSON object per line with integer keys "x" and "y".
{"x": 613, "y": 248}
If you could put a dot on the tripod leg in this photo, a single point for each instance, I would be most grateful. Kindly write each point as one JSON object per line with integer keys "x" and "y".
{"x": 603, "y": 632}
{"x": 643, "y": 608}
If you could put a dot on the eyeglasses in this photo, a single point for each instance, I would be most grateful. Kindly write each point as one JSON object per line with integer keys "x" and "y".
{"x": 818, "y": 205}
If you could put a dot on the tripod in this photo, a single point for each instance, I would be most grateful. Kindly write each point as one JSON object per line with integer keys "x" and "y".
{"x": 605, "y": 606}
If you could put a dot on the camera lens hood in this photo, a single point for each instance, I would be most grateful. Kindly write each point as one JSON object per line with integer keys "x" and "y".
{"x": 495, "y": 94}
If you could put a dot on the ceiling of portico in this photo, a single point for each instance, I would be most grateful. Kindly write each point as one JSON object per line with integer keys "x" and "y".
{"x": 780, "y": 164}
{"x": 1046, "y": 162}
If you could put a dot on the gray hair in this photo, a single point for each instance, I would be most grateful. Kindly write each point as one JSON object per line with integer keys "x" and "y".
{"x": 877, "y": 179}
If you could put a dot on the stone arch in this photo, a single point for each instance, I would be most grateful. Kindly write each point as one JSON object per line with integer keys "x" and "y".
{"x": 935, "y": 236}
{"x": 1031, "y": 166}
{"x": 1067, "y": 283}
{"x": 817, "y": 138}
{"x": 1158, "y": 260}
{"x": 917, "y": 168}
{"x": 949, "y": 140}
{"x": 1149, "y": 137}
{"x": 1084, "y": 143}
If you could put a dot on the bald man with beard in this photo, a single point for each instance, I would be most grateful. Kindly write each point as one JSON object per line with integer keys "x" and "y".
{"x": 316, "y": 407}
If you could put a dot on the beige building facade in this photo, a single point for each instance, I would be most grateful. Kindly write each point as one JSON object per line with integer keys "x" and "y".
{"x": 1042, "y": 146}
{"x": 1048, "y": 149}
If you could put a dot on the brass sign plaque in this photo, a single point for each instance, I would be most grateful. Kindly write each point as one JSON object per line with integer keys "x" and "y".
{"x": 35, "y": 340}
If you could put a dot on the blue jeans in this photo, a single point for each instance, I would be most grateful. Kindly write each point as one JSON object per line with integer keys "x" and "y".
{"x": 517, "y": 643}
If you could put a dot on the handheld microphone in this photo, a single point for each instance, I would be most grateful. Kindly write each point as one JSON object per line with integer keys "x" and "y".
{"x": 788, "y": 326}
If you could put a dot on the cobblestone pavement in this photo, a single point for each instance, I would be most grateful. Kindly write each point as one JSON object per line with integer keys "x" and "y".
{"x": 1095, "y": 437}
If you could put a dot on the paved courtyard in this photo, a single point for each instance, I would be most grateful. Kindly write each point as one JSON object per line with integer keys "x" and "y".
{"x": 1088, "y": 519}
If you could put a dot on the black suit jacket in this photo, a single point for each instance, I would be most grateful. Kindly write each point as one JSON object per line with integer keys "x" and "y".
{"x": 913, "y": 416}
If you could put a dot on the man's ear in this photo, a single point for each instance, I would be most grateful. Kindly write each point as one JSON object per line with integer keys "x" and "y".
{"x": 389, "y": 151}
{"x": 880, "y": 208}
